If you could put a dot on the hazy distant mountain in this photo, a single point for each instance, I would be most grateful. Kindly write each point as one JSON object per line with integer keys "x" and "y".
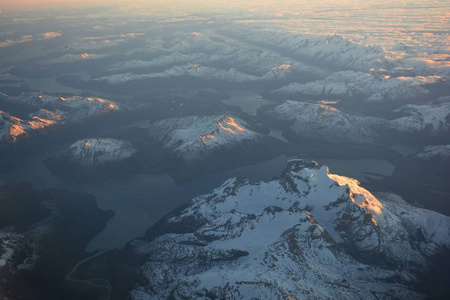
{"x": 364, "y": 87}
{"x": 333, "y": 51}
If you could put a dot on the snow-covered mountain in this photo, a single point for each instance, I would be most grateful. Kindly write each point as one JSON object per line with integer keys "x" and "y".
{"x": 367, "y": 87}
{"x": 93, "y": 152}
{"x": 307, "y": 234}
{"x": 323, "y": 122}
{"x": 195, "y": 70}
{"x": 268, "y": 64}
{"x": 196, "y": 138}
{"x": 73, "y": 58}
{"x": 434, "y": 152}
{"x": 280, "y": 72}
{"x": 163, "y": 60}
{"x": 341, "y": 52}
{"x": 51, "y": 111}
{"x": 99, "y": 43}
{"x": 79, "y": 107}
{"x": 433, "y": 119}
{"x": 208, "y": 56}
{"x": 228, "y": 74}
{"x": 334, "y": 50}
{"x": 183, "y": 42}
{"x": 94, "y": 159}
{"x": 12, "y": 128}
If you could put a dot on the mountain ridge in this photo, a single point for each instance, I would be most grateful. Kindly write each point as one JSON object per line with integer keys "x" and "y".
{"x": 308, "y": 233}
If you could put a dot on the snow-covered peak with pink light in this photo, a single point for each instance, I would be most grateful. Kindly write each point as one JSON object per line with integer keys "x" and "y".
{"x": 307, "y": 233}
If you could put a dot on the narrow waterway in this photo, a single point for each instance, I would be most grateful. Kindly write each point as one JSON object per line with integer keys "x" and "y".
{"x": 140, "y": 200}
{"x": 99, "y": 283}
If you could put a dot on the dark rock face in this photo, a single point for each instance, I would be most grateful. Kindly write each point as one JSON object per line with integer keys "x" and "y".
{"x": 42, "y": 236}
{"x": 423, "y": 179}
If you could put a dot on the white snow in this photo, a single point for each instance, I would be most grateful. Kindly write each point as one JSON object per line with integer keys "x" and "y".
{"x": 97, "y": 151}
{"x": 13, "y": 128}
{"x": 312, "y": 120}
{"x": 434, "y": 152}
{"x": 52, "y": 111}
{"x": 193, "y": 138}
{"x": 332, "y": 50}
{"x": 371, "y": 88}
{"x": 195, "y": 70}
{"x": 289, "y": 237}
{"x": 432, "y": 119}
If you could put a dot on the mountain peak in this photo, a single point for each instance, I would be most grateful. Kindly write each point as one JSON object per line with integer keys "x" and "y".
{"x": 307, "y": 229}
{"x": 97, "y": 151}
{"x": 194, "y": 137}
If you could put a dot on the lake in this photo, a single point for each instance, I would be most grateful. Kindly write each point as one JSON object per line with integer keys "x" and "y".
{"x": 140, "y": 200}
{"x": 247, "y": 101}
